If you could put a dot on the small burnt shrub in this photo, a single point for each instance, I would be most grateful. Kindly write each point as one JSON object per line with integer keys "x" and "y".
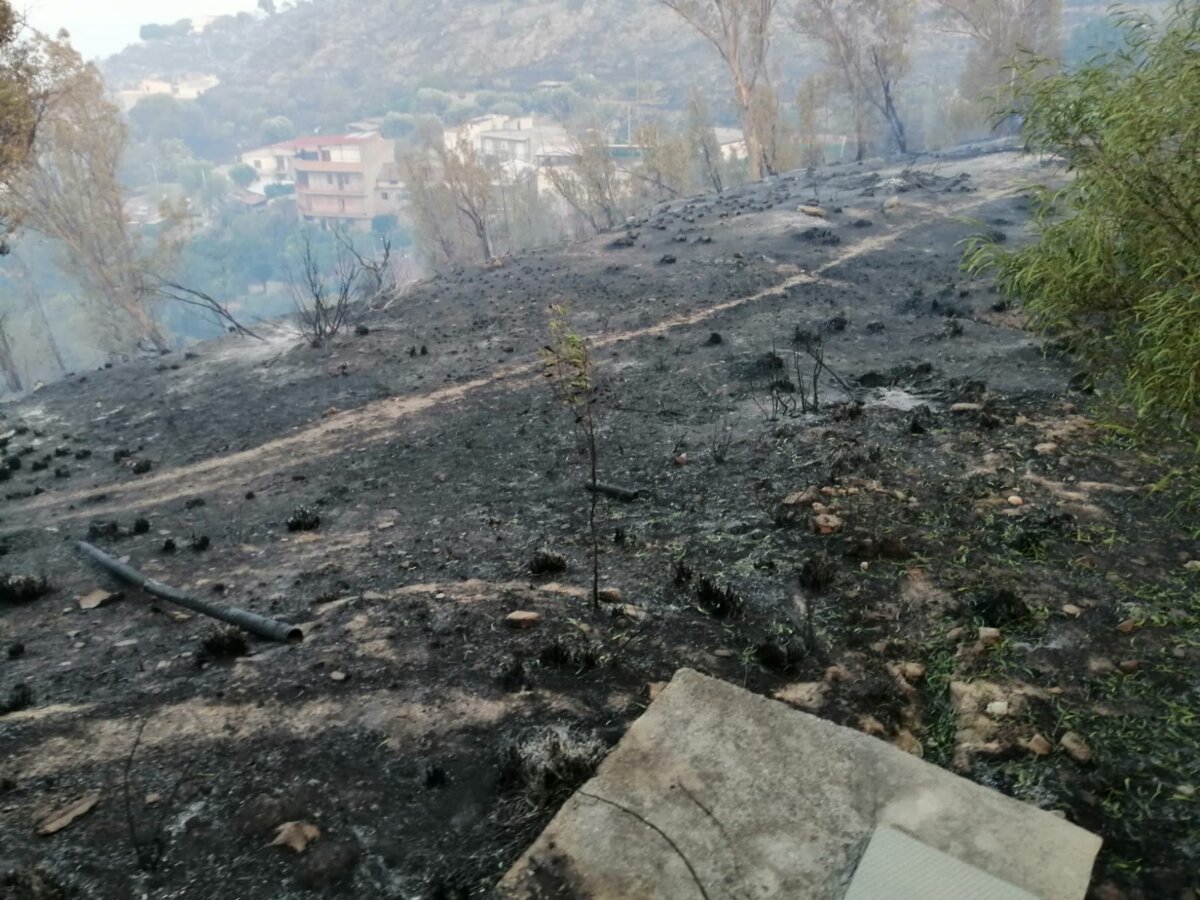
{"x": 547, "y": 562}
{"x": 818, "y": 573}
{"x": 303, "y": 519}
{"x": 681, "y": 573}
{"x": 19, "y": 698}
{"x": 571, "y": 652}
{"x": 103, "y": 529}
{"x": 998, "y": 607}
{"x": 510, "y": 673}
{"x": 222, "y": 644}
{"x": 545, "y": 765}
{"x": 719, "y": 601}
{"x": 16, "y": 589}
{"x": 782, "y": 652}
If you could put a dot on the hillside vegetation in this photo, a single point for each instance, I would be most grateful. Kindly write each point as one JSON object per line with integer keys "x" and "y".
{"x": 319, "y": 63}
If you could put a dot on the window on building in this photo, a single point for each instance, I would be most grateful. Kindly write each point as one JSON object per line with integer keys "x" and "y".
{"x": 341, "y": 205}
{"x": 329, "y": 179}
{"x": 384, "y": 195}
{"x": 302, "y": 179}
{"x": 258, "y": 164}
{"x": 325, "y": 156}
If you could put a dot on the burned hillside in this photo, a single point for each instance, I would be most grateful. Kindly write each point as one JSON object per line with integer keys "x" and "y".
{"x": 938, "y": 546}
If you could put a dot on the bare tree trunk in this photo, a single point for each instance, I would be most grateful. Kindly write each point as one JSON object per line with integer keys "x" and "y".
{"x": 36, "y": 302}
{"x": 860, "y": 133}
{"x": 754, "y": 149}
{"x": 12, "y": 377}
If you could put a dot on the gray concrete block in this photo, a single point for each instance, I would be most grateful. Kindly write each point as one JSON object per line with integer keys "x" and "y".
{"x": 718, "y": 793}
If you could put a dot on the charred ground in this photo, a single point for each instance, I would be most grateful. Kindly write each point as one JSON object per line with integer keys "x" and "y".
{"x": 429, "y": 741}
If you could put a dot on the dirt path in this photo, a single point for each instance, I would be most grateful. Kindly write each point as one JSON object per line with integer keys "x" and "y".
{"x": 376, "y": 421}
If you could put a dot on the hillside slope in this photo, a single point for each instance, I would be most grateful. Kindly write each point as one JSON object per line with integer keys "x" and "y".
{"x": 994, "y": 582}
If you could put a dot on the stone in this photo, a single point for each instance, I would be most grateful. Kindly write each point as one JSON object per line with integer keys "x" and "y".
{"x": 1100, "y": 665}
{"x": 826, "y": 523}
{"x": 337, "y": 675}
{"x": 654, "y": 688}
{"x": 911, "y": 672}
{"x": 1015, "y": 500}
{"x": 957, "y": 633}
{"x": 1192, "y": 565}
{"x": 1039, "y": 746}
{"x": 814, "y": 211}
{"x": 1129, "y": 666}
{"x": 802, "y": 498}
{"x": 715, "y": 768}
{"x": 1070, "y": 609}
{"x": 1046, "y": 449}
{"x": 522, "y": 618}
{"x": 964, "y": 408}
{"x": 807, "y": 695}
{"x": 997, "y": 709}
{"x": 1076, "y": 747}
{"x": 989, "y": 636}
{"x": 610, "y": 595}
{"x": 1128, "y": 626}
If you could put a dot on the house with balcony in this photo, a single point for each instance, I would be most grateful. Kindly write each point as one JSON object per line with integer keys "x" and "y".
{"x": 337, "y": 178}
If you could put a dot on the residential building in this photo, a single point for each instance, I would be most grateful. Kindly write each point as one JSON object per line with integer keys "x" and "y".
{"x": 188, "y": 87}
{"x": 537, "y": 145}
{"x": 337, "y": 177}
{"x": 272, "y": 163}
{"x": 470, "y": 131}
{"x": 390, "y": 191}
{"x": 732, "y": 143}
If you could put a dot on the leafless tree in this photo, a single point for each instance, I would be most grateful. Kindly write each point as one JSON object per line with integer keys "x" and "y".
{"x": 704, "y": 137}
{"x": 590, "y": 185}
{"x": 740, "y": 31}
{"x": 323, "y": 300}
{"x": 377, "y": 277}
{"x": 1004, "y": 33}
{"x": 866, "y": 44}
{"x": 178, "y": 293}
{"x": 8, "y": 364}
{"x": 451, "y": 191}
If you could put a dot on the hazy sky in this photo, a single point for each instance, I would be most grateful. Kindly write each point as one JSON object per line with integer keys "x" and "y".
{"x": 102, "y": 27}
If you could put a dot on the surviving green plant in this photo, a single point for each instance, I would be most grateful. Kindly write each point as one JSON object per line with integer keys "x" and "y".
{"x": 567, "y": 362}
{"x": 1116, "y": 267}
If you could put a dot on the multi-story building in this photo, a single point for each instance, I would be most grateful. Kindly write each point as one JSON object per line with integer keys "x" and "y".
{"x": 272, "y": 163}
{"x": 337, "y": 177}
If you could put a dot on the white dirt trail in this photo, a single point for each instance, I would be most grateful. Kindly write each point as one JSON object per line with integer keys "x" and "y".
{"x": 376, "y": 421}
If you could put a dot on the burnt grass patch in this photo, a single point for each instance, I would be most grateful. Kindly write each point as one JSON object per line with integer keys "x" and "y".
{"x": 439, "y": 751}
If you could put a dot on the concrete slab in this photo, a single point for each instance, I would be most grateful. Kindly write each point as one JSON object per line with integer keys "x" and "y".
{"x": 899, "y": 867}
{"x": 718, "y": 793}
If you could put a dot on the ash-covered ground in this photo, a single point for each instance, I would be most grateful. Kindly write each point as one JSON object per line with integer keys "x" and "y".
{"x": 949, "y": 553}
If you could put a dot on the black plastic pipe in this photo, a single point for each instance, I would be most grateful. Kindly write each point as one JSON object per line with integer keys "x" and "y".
{"x": 261, "y": 626}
